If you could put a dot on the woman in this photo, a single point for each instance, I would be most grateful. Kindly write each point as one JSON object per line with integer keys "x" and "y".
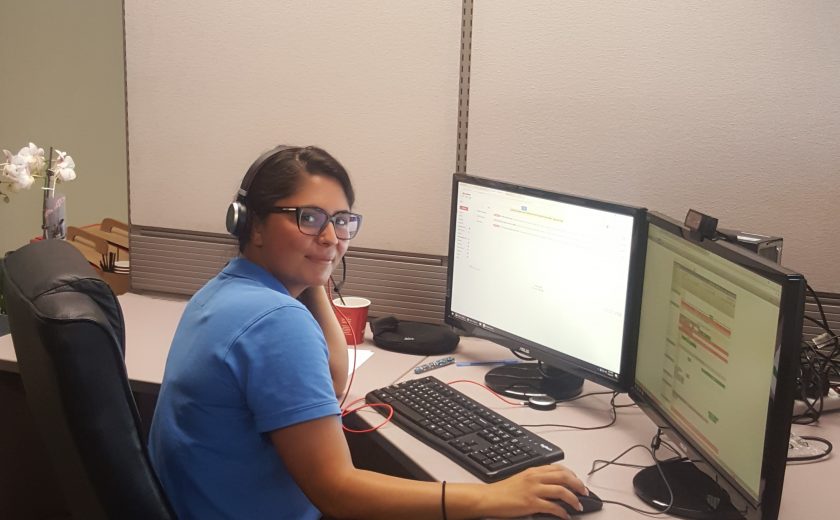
{"x": 247, "y": 424}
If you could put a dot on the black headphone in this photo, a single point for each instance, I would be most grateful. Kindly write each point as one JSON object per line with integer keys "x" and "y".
{"x": 237, "y": 212}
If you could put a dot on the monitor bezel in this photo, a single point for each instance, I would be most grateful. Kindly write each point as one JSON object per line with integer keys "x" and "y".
{"x": 551, "y": 357}
{"x": 786, "y": 362}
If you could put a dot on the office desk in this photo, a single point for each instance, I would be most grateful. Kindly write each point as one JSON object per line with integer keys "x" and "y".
{"x": 808, "y": 486}
{"x": 151, "y": 322}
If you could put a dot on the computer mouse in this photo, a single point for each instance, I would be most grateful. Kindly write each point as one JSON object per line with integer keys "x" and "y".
{"x": 590, "y": 503}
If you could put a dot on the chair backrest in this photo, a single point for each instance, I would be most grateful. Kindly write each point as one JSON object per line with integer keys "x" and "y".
{"x": 68, "y": 334}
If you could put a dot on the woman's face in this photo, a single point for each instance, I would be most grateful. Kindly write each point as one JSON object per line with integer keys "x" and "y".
{"x": 300, "y": 261}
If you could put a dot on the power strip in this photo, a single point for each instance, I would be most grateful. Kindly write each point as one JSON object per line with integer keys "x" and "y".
{"x": 831, "y": 402}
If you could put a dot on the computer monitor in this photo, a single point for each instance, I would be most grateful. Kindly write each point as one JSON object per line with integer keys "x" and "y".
{"x": 551, "y": 276}
{"x": 719, "y": 337}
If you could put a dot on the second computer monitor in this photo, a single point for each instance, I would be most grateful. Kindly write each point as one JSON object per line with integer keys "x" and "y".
{"x": 552, "y": 276}
{"x": 718, "y": 348}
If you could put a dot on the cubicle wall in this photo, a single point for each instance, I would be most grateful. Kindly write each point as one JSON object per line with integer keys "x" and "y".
{"x": 409, "y": 285}
{"x": 731, "y": 109}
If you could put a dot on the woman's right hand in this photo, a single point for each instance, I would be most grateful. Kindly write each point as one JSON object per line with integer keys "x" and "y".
{"x": 534, "y": 491}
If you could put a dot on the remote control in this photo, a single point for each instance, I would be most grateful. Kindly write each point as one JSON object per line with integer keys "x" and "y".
{"x": 442, "y": 362}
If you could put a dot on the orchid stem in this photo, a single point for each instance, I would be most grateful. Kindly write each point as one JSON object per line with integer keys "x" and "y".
{"x": 47, "y": 194}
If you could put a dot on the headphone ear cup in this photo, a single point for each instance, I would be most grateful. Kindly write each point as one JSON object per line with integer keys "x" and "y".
{"x": 235, "y": 219}
{"x": 237, "y": 213}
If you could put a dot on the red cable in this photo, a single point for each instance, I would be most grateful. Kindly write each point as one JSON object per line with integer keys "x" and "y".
{"x": 349, "y": 410}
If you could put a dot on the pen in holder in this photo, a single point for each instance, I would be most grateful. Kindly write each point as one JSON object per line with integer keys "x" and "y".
{"x": 115, "y": 272}
{"x": 107, "y": 262}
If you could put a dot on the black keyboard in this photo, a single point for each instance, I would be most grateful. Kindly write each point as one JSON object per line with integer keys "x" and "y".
{"x": 478, "y": 439}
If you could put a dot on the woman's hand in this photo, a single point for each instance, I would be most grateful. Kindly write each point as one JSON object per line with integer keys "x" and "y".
{"x": 534, "y": 491}
{"x": 316, "y": 454}
{"x": 316, "y": 300}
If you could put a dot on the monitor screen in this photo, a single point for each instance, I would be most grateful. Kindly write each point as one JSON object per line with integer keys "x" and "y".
{"x": 553, "y": 276}
{"x": 719, "y": 334}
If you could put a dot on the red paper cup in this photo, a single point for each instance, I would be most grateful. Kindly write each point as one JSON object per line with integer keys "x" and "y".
{"x": 352, "y": 315}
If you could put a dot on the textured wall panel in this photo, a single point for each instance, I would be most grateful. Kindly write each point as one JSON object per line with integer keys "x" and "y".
{"x": 831, "y": 306}
{"x": 176, "y": 262}
{"x": 409, "y": 286}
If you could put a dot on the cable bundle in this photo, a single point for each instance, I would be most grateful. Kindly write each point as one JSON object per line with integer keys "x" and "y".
{"x": 819, "y": 367}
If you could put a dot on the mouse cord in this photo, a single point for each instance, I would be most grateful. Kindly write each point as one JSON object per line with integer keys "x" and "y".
{"x": 605, "y": 463}
{"x": 612, "y": 412}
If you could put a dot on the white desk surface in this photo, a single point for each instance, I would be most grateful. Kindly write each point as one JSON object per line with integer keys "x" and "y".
{"x": 808, "y": 492}
{"x": 150, "y": 323}
{"x": 8, "y": 360}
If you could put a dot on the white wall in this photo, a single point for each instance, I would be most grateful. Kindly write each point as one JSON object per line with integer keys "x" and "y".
{"x": 213, "y": 83}
{"x": 63, "y": 85}
{"x": 730, "y": 108}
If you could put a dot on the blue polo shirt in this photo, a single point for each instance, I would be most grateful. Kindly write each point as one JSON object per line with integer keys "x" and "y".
{"x": 246, "y": 359}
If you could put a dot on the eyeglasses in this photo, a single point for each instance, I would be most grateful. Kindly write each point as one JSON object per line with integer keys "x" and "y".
{"x": 313, "y": 221}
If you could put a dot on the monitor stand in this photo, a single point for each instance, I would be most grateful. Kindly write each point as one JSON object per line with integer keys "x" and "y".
{"x": 696, "y": 495}
{"x": 525, "y": 380}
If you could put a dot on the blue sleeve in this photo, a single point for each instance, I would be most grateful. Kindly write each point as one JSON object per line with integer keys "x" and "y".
{"x": 281, "y": 363}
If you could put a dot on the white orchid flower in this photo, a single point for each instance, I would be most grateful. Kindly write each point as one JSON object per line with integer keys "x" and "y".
{"x": 66, "y": 174}
{"x": 21, "y": 162}
{"x": 9, "y": 174}
{"x": 34, "y": 157}
{"x": 9, "y": 169}
{"x": 19, "y": 171}
{"x": 23, "y": 181}
{"x": 65, "y": 167}
{"x": 16, "y": 172}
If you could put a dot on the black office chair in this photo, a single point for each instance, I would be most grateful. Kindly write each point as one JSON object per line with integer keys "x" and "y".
{"x": 68, "y": 334}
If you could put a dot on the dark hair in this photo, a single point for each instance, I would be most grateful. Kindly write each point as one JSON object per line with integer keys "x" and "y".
{"x": 280, "y": 177}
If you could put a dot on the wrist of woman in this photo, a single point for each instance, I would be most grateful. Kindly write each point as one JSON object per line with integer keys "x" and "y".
{"x": 467, "y": 501}
{"x": 312, "y": 292}
{"x": 315, "y": 299}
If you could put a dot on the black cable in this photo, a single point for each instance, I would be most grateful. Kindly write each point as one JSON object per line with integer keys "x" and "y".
{"x": 605, "y": 463}
{"x": 612, "y": 411}
{"x": 809, "y": 377}
{"x": 824, "y": 323}
{"x": 810, "y": 458}
{"x": 818, "y": 365}
{"x": 522, "y": 356}
{"x": 337, "y": 287}
{"x": 541, "y": 369}
{"x": 819, "y": 304}
{"x": 814, "y": 378}
{"x": 820, "y": 324}
{"x": 655, "y": 443}
{"x": 669, "y": 446}
{"x": 581, "y": 396}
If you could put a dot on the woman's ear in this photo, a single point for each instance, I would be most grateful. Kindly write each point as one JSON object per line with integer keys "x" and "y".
{"x": 257, "y": 230}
